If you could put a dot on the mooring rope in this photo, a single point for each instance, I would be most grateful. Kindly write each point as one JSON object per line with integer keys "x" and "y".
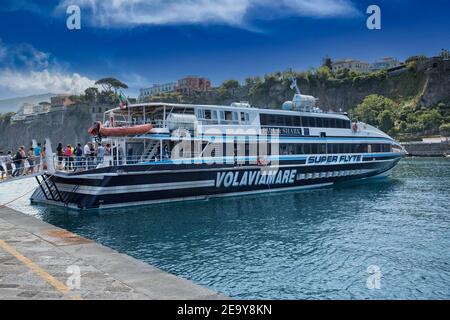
{"x": 23, "y": 195}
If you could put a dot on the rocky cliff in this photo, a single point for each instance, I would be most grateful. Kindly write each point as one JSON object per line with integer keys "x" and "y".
{"x": 425, "y": 82}
{"x": 68, "y": 127}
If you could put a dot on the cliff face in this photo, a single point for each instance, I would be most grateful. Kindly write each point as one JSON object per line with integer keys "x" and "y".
{"x": 69, "y": 127}
{"x": 437, "y": 83}
{"x": 428, "y": 84}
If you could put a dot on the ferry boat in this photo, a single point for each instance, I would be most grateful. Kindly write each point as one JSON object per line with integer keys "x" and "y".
{"x": 163, "y": 152}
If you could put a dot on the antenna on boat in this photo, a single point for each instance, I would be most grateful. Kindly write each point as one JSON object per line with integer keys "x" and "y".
{"x": 294, "y": 85}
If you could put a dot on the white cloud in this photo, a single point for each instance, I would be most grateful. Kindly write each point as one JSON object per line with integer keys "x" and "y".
{"x": 115, "y": 13}
{"x": 35, "y": 82}
{"x": 24, "y": 70}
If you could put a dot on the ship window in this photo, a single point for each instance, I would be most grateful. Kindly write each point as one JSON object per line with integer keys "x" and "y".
{"x": 322, "y": 148}
{"x": 235, "y": 117}
{"x": 326, "y": 122}
{"x": 296, "y": 121}
{"x": 336, "y": 148}
{"x": 307, "y": 121}
{"x": 361, "y": 148}
{"x": 332, "y": 123}
{"x": 311, "y": 122}
{"x": 319, "y": 122}
{"x": 245, "y": 118}
{"x": 330, "y": 148}
{"x": 307, "y": 148}
{"x": 314, "y": 148}
{"x": 376, "y": 148}
{"x": 299, "y": 148}
{"x": 272, "y": 120}
{"x": 264, "y": 119}
{"x": 279, "y": 120}
{"x": 348, "y": 124}
{"x": 228, "y": 116}
{"x": 207, "y": 114}
{"x": 214, "y": 116}
{"x": 347, "y": 148}
{"x": 306, "y": 131}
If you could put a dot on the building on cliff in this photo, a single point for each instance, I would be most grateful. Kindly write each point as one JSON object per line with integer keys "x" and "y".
{"x": 385, "y": 63}
{"x": 192, "y": 84}
{"x": 352, "y": 65}
{"x": 187, "y": 86}
{"x": 157, "y": 89}
{"x": 60, "y": 102}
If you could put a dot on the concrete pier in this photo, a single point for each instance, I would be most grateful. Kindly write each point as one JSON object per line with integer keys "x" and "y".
{"x": 41, "y": 261}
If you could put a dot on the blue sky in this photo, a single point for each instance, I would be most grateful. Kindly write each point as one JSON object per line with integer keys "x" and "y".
{"x": 151, "y": 41}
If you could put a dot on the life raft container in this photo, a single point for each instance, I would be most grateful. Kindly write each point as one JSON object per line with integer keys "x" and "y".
{"x": 99, "y": 130}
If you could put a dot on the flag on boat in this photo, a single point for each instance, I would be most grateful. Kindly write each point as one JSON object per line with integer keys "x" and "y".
{"x": 123, "y": 101}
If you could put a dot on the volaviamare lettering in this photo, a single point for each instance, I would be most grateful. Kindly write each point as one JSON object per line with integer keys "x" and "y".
{"x": 254, "y": 178}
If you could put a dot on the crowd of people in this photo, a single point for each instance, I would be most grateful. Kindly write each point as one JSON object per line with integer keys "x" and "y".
{"x": 81, "y": 157}
{"x": 32, "y": 160}
{"x": 23, "y": 162}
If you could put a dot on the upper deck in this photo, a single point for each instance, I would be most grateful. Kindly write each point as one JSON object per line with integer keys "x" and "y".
{"x": 167, "y": 117}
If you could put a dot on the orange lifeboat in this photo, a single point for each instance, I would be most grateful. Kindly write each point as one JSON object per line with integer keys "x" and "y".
{"x": 99, "y": 130}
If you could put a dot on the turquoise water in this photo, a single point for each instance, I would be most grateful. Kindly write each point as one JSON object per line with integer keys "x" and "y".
{"x": 305, "y": 245}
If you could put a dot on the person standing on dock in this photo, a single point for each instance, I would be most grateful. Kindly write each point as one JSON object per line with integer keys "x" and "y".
{"x": 100, "y": 153}
{"x": 37, "y": 156}
{"x": 68, "y": 157}
{"x": 60, "y": 154}
{"x": 2, "y": 166}
{"x": 78, "y": 156}
{"x": 86, "y": 154}
{"x": 30, "y": 158}
{"x": 17, "y": 163}
{"x": 8, "y": 163}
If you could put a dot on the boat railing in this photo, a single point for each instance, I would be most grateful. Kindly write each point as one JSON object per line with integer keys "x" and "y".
{"x": 21, "y": 168}
{"x": 155, "y": 123}
{"x": 78, "y": 164}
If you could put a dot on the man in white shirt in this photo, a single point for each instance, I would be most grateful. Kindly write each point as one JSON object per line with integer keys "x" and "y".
{"x": 86, "y": 154}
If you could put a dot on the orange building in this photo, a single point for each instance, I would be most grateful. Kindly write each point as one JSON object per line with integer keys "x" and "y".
{"x": 192, "y": 84}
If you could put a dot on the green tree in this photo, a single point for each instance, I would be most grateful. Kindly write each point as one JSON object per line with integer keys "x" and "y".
{"x": 445, "y": 129}
{"x": 231, "y": 85}
{"x": 327, "y": 62}
{"x": 323, "y": 73}
{"x": 91, "y": 94}
{"x": 111, "y": 84}
{"x": 430, "y": 120}
{"x": 386, "y": 120}
{"x": 372, "y": 111}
